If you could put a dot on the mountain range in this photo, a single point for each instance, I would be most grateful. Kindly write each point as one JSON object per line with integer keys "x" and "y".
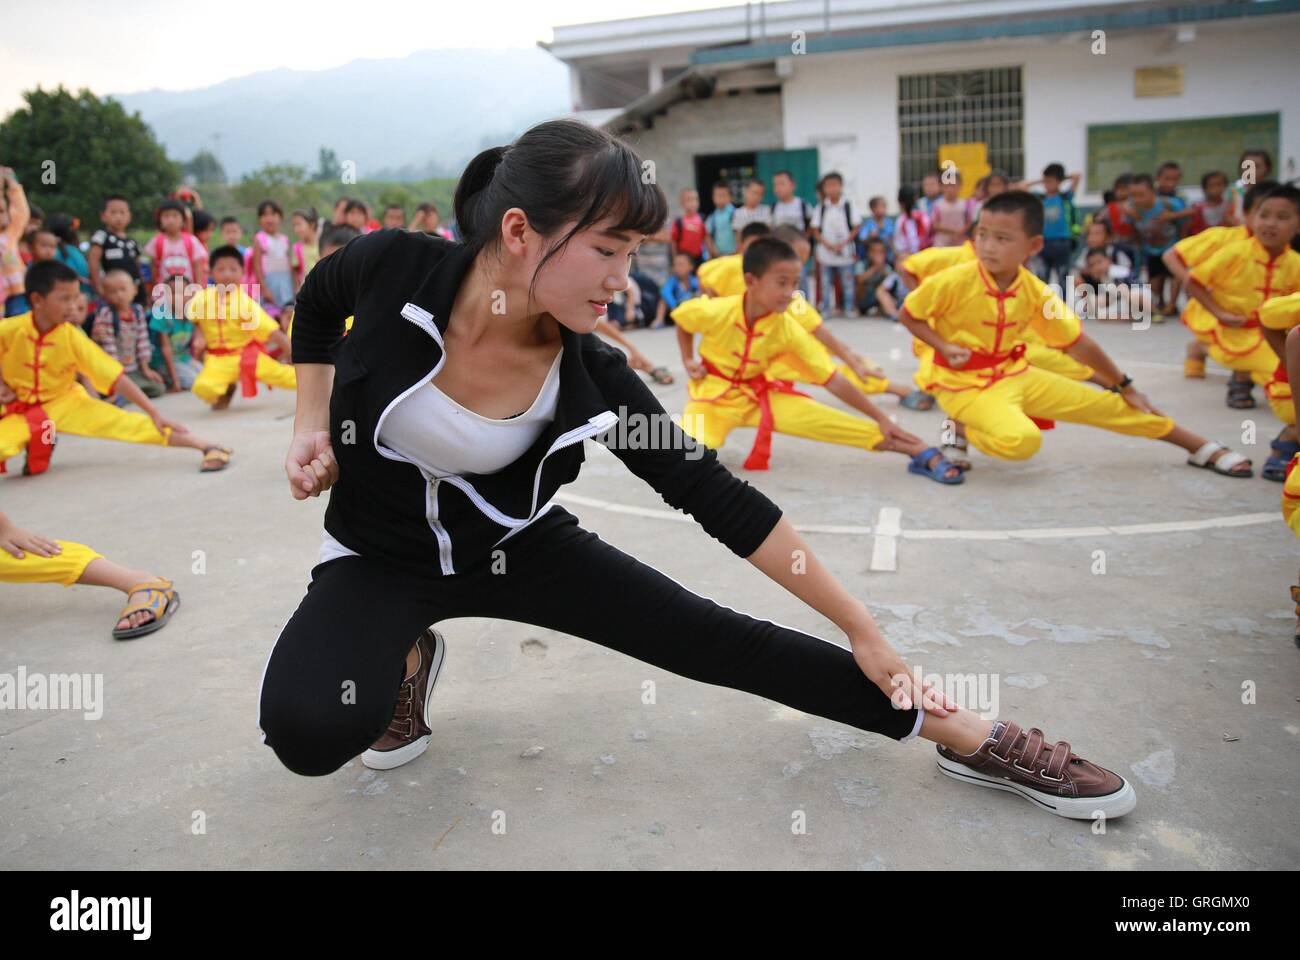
{"x": 419, "y": 116}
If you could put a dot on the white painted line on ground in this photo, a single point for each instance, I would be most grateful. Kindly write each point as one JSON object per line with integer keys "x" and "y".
{"x": 1027, "y": 533}
{"x": 884, "y": 551}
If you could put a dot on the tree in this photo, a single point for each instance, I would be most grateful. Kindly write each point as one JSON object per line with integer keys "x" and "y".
{"x": 70, "y": 151}
{"x": 204, "y": 168}
{"x": 328, "y": 166}
{"x": 275, "y": 181}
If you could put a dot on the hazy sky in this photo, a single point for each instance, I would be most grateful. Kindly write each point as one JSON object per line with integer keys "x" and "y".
{"x": 145, "y": 44}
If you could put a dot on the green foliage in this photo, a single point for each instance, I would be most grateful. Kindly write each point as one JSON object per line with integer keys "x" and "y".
{"x": 70, "y": 150}
{"x": 204, "y": 168}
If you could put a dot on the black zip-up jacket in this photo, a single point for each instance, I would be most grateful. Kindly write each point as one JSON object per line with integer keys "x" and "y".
{"x": 399, "y": 286}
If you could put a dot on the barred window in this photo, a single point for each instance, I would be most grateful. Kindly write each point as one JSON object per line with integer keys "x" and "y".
{"x": 966, "y": 106}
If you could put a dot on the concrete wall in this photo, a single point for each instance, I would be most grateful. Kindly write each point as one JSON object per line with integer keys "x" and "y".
{"x": 721, "y": 124}
{"x": 846, "y": 103}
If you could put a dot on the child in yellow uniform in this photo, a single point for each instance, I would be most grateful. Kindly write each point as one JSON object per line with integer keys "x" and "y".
{"x": 974, "y": 316}
{"x": 27, "y": 557}
{"x": 1291, "y": 486}
{"x": 1231, "y": 286}
{"x": 234, "y": 327}
{"x": 1276, "y": 317}
{"x": 725, "y": 276}
{"x": 855, "y": 368}
{"x": 41, "y": 353}
{"x": 729, "y": 386}
{"x": 1194, "y": 250}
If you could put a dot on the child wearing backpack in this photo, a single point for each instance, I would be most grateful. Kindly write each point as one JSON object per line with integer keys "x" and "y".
{"x": 688, "y": 229}
{"x": 1060, "y": 217}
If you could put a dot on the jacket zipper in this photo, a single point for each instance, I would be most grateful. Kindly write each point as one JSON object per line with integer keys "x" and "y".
{"x": 424, "y": 320}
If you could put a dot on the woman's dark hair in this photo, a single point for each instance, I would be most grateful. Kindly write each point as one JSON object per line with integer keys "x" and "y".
{"x": 557, "y": 172}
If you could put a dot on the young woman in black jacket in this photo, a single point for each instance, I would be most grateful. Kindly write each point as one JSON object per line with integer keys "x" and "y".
{"x": 440, "y": 489}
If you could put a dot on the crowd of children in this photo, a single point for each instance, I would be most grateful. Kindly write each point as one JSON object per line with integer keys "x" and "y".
{"x": 978, "y": 280}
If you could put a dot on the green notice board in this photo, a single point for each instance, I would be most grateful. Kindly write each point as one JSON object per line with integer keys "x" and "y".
{"x": 1200, "y": 145}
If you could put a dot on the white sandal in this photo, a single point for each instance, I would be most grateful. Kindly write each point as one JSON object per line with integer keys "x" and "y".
{"x": 1225, "y": 463}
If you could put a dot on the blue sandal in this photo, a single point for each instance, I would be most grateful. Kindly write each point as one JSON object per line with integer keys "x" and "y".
{"x": 918, "y": 400}
{"x": 939, "y": 472}
{"x": 1275, "y": 466}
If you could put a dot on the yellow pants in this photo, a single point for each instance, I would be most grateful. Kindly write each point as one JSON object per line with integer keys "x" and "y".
{"x": 65, "y": 568}
{"x": 78, "y": 413}
{"x": 997, "y": 418}
{"x": 220, "y": 373}
{"x": 1279, "y": 398}
{"x": 1291, "y": 500}
{"x": 710, "y": 422}
{"x": 1259, "y": 362}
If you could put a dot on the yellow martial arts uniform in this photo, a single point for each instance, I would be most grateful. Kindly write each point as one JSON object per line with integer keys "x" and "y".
{"x": 737, "y": 392}
{"x": 1291, "y": 496}
{"x": 1199, "y": 247}
{"x": 725, "y": 276}
{"x": 1242, "y": 276}
{"x": 1281, "y": 313}
{"x": 42, "y": 368}
{"x": 65, "y": 567}
{"x": 933, "y": 260}
{"x": 998, "y": 395}
{"x": 235, "y": 326}
{"x": 790, "y": 367}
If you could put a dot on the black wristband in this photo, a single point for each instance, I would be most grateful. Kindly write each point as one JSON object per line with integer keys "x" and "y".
{"x": 1122, "y": 385}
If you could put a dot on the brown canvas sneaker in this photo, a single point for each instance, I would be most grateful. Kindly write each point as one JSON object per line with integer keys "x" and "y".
{"x": 1049, "y": 775}
{"x": 408, "y": 733}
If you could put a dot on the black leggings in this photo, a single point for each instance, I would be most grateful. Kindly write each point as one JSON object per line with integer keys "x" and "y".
{"x": 360, "y": 617}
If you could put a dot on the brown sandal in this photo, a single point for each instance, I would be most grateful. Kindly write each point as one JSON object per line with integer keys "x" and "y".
{"x": 215, "y": 458}
{"x": 163, "y": 601}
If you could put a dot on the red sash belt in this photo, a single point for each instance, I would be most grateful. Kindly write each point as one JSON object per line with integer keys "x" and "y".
{"x": 761, "y": 452}
{"x": 38, "y": 448}
{"x": 248, "y": 354}
{"x": 981, "y": 360}
{"x": 1280, "y": 375}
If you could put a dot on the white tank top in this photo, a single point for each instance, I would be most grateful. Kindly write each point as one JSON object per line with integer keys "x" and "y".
{"x": 432, "y": 430}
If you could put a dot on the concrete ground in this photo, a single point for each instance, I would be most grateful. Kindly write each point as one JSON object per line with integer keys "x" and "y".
{"x": 1141, "y": 668}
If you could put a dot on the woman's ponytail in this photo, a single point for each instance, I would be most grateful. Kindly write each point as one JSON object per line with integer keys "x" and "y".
{"x": 474, "y": 182}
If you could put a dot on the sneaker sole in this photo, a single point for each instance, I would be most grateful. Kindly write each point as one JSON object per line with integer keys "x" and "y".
{"x": 388, "y": 759}
{"x": 1111, "y": 805}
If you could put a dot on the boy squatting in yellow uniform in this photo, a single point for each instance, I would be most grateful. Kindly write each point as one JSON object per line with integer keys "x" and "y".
{"x": 23, "y": 559}
{"x": 925, "y": 264}
{"x": 1234, "y": 283}
{"x": 234, "y": 327}
{"x": 981, "y": 377}
{"x": 234, "y": 354}
{"x": 725, "y": 276}
{"x": 736, "y": 390}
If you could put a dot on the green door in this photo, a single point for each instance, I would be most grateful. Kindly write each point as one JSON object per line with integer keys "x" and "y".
{"x": 802, "y": 163}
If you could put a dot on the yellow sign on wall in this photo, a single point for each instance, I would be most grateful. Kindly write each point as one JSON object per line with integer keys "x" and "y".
{"x": 1165, "y": 81}
{"x": 971, "y": 160}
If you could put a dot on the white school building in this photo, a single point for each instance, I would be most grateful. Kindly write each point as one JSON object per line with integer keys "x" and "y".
{"x": 876, "y": 89}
